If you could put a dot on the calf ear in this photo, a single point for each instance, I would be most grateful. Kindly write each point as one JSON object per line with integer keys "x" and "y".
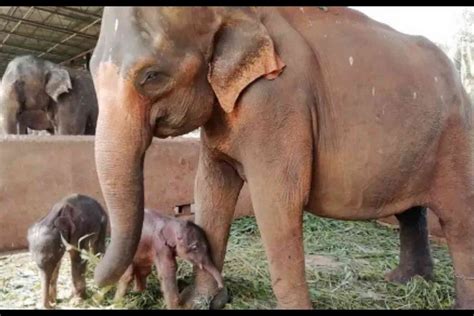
{"x": 58, "y": 82}
{"x": 64, "y": 222}
{"x": 169, "y": 235}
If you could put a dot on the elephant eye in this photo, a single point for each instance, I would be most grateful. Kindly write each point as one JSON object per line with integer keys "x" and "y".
{"x": 152, "y": 76}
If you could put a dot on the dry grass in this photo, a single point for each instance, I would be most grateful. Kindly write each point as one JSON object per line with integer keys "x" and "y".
{"x": 345, "y": 262}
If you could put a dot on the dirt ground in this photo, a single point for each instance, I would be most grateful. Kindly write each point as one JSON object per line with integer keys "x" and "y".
{"x": 20, "y": 283}
{"x": 345, "y": 267}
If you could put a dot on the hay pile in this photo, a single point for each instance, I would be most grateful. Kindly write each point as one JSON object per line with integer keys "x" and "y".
{"x": 345, "y": 266}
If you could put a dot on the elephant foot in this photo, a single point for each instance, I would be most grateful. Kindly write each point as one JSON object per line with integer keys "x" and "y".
{"x": 77, "y": 297}
{"x": 402, "y": 275}
{"x": 463, "y": 305}
{"x": 190, "y": 298}
{"x": 76, "y": 300}
{"x": 46, "y": 306}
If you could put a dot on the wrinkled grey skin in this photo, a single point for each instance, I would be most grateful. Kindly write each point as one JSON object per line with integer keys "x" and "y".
{"x": 163, "y": 239}
{"x": 75, "y": 216}
{"x": 41, "y": 95}
{"x": 30, "y": 122}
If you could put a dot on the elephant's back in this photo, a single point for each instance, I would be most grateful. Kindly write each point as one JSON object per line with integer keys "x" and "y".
{"x": 90, "y": 207}
{"x": 386, "y": 99}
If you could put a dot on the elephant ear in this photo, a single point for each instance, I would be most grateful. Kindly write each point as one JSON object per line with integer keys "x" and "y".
{"x": 172, "y": 234}
{"x": 243, "y": 52}
{"x": 65, "y": 221}
{"x": 58, "y": 82}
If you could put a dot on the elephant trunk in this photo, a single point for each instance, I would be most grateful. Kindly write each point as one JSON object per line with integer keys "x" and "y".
{"x": 120, "y": 145}
{"x": 8, "y": 119}
{"x": 211, "y": 268}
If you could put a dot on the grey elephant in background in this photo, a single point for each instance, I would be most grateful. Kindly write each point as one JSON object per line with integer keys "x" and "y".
{"x": 41, "y": 95}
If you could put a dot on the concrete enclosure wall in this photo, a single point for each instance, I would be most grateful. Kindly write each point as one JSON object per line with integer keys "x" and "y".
{"x": 37, "y": 171}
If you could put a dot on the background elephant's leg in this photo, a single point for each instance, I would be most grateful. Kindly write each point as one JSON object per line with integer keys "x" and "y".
{"x": 53, "y": 292}
{"x": 90, "y": 126}
{"x": 217, "y": 189}
{"x": 165, "y": 263}
{"x": 123, "y": 283}
{"x": 415, "y": 256}
{"x": 22, "y": 129}
{"x": 78, "y": 268}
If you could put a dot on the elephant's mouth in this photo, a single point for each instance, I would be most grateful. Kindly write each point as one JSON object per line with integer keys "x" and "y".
{"x": 163, "y": 129}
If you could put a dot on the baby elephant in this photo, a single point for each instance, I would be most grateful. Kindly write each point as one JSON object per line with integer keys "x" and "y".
{"x": 163, "y": 239}
{"x": 74, "y": 217}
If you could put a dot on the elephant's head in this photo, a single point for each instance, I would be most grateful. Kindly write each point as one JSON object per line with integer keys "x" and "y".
{"x": 164, "y": 72}
{"x": 30, "y": 84}
{"x": 190, "y": 243}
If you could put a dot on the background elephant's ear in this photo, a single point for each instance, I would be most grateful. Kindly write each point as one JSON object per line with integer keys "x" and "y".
{"x": 58, "y": 82}
{"x": 243, "y": 52}
{"x": 64, "y": 222}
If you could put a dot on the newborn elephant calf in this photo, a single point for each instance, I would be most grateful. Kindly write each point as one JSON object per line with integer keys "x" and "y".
{"x": 163, "y": 239}
{"x": 74, "y": 217}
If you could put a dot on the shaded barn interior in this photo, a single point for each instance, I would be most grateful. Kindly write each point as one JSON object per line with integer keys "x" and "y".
{"x": 65, "y": 35}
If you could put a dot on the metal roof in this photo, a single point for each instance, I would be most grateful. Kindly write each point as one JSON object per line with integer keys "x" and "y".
{"x": 64, "y": 35}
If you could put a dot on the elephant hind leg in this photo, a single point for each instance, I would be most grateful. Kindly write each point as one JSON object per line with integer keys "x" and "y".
{"x": 415, "y": 256}
{"x": 457, "y": 222}
{"x": 452, "y": 200}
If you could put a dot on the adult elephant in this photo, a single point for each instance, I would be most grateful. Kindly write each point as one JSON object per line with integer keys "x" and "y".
{"x": 327, "y": 111}
{"x": 41, "y": 95}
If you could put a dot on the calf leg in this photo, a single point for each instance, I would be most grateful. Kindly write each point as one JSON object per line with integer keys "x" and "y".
{"x": 166, "y": 266}
{"x": 123, "y": 283}
{"x": 140, "y": 278}
{"x": 78, "y": 267}
{"x": 415, "y": 256}
{"x": 45, "y": 285}
{"x": 53, "y": 284}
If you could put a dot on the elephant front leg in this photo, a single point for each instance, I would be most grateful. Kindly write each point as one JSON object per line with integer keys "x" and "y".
{"x": 279, "y": 182}
{"x": 216, "y": 191}
{"x": 165, "y": 263}
{"x": 278, "y": 209}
